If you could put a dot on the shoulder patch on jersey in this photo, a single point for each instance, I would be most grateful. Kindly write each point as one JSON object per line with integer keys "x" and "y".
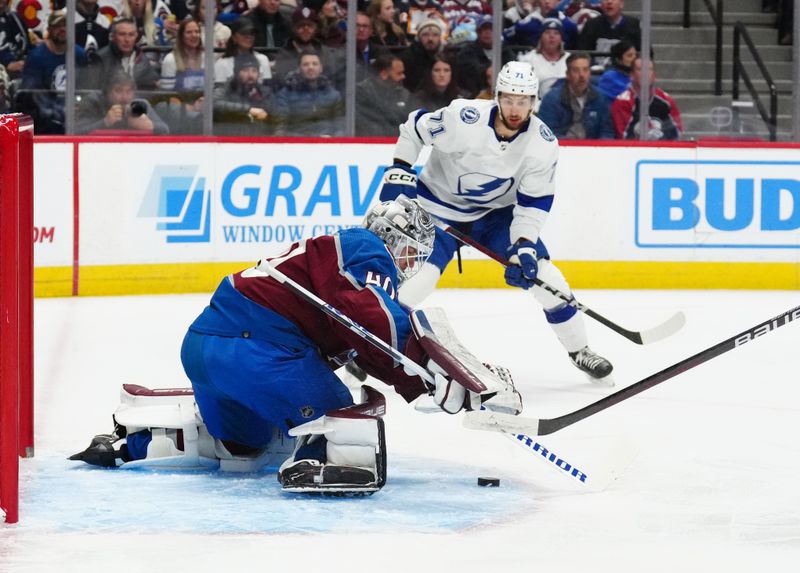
{"x": 546, "y": 134}
{"x": 470, "y": 114}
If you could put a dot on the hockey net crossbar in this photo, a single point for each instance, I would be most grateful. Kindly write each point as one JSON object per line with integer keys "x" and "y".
{"x": 16, "y": 306}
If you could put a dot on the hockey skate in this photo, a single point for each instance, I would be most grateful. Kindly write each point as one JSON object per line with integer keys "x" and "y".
{"x": 315, "y": 477}
{"x": 101, "y": 450}
{"x": 596, "y": 368}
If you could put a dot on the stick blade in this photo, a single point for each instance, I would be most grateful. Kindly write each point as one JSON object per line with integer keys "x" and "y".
{"x": 664, "y": 330}
{"x": 488, "y": 420}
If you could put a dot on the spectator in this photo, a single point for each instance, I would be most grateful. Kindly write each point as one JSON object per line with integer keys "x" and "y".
{"x": 581, "y": 11}
{"x": 141, "y": 11}
{"x": 665, "y": 119}
{"x": 549, "y": 59}
{"x": 526, "y": 32}
{"x": 272, "y": 28}
{"x": 519, "y": 11}
{"x": 44, "y": 77}
{"x": 364, "y": 48}
{"x": 418, "y": 59}
{"x": 439, "y": 87}
{"x": 183, "y": 69}
{"x": 91, "y": 26}
{"x": 222, "y": 33}
{"x": 474, "y": 57}
{"x": 574, "y": 109}
{"x": 14, "y": 42}
{"x": 617, "y": 78}
{"x": 167, "y": 15}
{"x": 308, "y": 105}
{"x": 601, "y": 33}
{"x": 412, "y": 13}
{"x": 241, "y": 41}
{"x": 332, "y": 25}
{"x": 488, "y": 91}
{"x": 121, "y": 54}
{"x": 243, "y": 106}
{"x": 382, "y": 103}
{"x": 385, "y": 30}
{"x": 117, "y": 108}
{"x": 183, "y": 115}
{"x": 456, "y": 12}
{"x": 305, "y": 26}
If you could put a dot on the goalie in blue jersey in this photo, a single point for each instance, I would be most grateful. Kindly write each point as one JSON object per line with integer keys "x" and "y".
{"x": 491, "y": 175}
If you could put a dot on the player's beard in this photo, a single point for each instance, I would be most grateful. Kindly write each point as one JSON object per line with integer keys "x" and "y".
{"x": 520, "y": 121}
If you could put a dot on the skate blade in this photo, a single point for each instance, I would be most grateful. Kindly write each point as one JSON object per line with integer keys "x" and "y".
{"x": 605, "y": 381}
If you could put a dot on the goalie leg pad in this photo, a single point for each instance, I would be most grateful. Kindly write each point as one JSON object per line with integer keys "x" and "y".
{"x": 340, "y": 453}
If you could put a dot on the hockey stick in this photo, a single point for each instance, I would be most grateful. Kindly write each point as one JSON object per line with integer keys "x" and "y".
{"x": 487, "y": 420}
{"x": 664, "y": 330}
{"x": 557, "y": 463}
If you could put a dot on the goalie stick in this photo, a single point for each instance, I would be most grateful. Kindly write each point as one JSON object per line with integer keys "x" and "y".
{"x": 660, "y": 332}
{"x": 487, "y": 420}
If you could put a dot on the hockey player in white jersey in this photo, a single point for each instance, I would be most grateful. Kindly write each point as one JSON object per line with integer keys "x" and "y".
{"x": 491, "y": 175}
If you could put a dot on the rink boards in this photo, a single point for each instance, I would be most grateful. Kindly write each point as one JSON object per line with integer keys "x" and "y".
{"x": 118, "y": 216}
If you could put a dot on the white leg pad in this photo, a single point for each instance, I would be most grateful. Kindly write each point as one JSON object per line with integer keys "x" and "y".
{"x": 420, "y": 286}
{"x": 165, "y": 412}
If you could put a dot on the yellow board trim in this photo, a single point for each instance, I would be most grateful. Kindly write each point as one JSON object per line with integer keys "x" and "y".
{"x": 104, "y": 280}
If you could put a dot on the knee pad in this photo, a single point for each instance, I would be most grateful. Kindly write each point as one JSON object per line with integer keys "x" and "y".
{"x": 340, "y": 453}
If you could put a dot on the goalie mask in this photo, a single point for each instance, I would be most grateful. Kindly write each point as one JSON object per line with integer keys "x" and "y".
{"x": 407, "y": 230}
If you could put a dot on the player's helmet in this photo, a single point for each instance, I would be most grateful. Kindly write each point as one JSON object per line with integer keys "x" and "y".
{"x": 517, "y": 78}
{"x": 408, "y": 231}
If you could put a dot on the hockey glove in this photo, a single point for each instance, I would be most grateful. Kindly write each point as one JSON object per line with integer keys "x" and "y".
{"x": 448, "y": 394}
{"x": 399, "y": 179}
{"x": 523, "y": 268}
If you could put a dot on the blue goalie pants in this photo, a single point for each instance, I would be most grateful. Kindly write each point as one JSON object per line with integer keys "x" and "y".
{"x": 247, "y": 385}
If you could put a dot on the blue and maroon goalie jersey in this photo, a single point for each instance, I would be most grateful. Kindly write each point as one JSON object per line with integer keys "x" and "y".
{"x": 353, "y": 272}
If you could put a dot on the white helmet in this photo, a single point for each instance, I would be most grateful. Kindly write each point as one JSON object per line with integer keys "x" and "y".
{"x": 517, "y": 78}
{"x": 407, "y": 230}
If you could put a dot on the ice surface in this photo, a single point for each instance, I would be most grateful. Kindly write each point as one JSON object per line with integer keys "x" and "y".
{"x": 699, "y": 473}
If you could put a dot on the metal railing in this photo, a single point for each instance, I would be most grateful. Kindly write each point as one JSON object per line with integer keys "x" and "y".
{"x": 771, "y": 118}
{"x": 716, "y": 13}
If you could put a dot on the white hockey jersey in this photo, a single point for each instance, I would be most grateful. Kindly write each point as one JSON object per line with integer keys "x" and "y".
{"x": 471, "y": 171}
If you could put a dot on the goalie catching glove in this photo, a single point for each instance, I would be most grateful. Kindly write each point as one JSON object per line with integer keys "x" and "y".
{"x": 451, "y": 397}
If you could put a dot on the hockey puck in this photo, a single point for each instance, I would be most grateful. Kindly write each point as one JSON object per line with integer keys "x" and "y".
{"x": 488, "y": 482}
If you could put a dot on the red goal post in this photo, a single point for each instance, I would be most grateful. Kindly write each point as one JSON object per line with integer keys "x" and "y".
{"x": 16, "y": 306}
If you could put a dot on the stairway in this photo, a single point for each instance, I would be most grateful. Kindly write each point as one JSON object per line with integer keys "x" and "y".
{"x": 685, "y": 67}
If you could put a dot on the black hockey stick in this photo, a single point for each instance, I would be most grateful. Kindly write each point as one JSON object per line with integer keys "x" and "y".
{"x": 485, "y": 420}
{"x": 660, "y": 332}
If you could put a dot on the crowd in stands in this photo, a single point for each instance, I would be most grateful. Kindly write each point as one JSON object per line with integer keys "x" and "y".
{"x": 279, "y": 65}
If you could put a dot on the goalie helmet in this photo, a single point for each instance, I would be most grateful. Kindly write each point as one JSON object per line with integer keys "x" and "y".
{"x": 408, "y": 231}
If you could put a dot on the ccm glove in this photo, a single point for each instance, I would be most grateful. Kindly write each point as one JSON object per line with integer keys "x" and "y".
{"x": 399, "y": 179}
{"x": 523, "y": 268}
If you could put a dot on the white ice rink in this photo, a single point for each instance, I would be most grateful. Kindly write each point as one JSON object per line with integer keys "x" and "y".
{"x": 700, "y": 473}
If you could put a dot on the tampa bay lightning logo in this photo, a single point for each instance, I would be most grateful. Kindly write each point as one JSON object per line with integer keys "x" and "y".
{"x": 483, "y": 188}
{"x": 470, "y": 114}
{"x": 546, "y": 134}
